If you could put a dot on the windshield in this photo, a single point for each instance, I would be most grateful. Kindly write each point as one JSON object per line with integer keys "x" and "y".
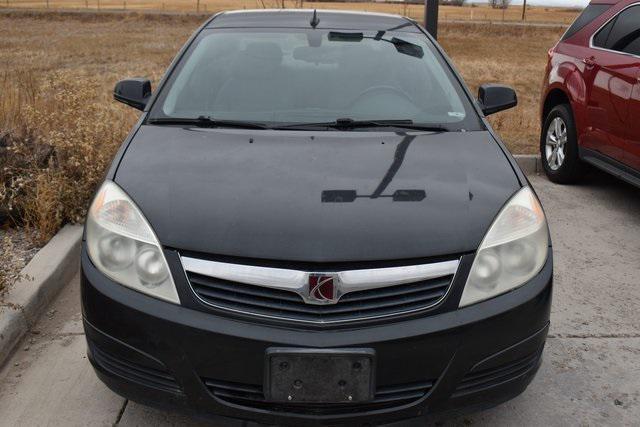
{"x": 313, "y": 76}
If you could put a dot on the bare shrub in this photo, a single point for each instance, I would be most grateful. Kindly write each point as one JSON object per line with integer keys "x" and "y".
{"x": 58, "y": 152}
{"x": 499, "y": 4}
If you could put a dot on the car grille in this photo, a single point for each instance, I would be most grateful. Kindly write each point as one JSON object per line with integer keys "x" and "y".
{"x": 252, "y": 396}
{"x": 475, "y": 382}
{"x": 357, "y": 305}
{"x": 131, "y": 371}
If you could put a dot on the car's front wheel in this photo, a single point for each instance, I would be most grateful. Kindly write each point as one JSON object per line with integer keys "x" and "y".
{"x": 559, "y": 146}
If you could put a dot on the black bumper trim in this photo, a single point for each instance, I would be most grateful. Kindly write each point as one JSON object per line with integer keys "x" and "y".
{"x": 130, "y": 371}
{"x": 252, "y": 397}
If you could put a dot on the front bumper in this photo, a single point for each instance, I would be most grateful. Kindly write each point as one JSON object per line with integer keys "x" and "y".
{"x": 176, "y": 357}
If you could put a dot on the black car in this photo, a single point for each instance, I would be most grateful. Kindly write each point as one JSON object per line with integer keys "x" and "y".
{"x": 313, "y": 223}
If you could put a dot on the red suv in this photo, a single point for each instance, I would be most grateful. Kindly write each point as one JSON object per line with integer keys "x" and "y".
{"x": 591, "y": 95}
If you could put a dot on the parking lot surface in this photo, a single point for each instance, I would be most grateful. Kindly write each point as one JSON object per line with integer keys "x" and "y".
{"x": 590, "y": 374}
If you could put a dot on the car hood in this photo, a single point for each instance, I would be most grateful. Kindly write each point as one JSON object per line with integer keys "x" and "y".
{"x": 317, "y": 196}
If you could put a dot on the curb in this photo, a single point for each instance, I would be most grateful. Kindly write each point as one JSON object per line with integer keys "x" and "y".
{"x": 529, "y": 163}
{"x": 49, "y": 270}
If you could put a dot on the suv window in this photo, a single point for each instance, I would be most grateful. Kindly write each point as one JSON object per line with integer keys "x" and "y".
{"x": 621, "y": 34}
{"x": 587, "y": 16}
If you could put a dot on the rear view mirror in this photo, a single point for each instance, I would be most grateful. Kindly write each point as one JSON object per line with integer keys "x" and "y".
{"x": 407, "y": 48}
{"x": 336, "y": 36}
{"x": 133, "y": 92}
{"x": 339, "y": 196}
{"x": 494, "y": 98}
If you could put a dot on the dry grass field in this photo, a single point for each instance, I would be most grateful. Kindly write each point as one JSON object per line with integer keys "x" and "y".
{"x": 59, "y": 126}
{"x": 447, "y": 13}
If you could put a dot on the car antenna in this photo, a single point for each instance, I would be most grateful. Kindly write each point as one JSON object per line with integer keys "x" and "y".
{"x": 315, "y": 20}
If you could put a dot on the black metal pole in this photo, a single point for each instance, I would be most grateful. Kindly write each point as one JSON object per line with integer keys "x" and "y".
{"x": 431, "y": 17}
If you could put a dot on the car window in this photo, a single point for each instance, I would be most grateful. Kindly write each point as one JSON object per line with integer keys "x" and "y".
{"x": 587, "y": 16}
{"x": 600, "y": 38}
{"x": 622, "y": 34}
{"x": 302, "y": 76}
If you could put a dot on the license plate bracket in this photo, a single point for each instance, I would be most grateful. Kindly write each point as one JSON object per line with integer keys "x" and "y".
{"x": 319, "y": 375}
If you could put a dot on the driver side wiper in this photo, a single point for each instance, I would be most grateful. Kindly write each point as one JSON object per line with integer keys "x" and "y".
{"x": 206, "y": 121}
{"x": 346, "y": 123}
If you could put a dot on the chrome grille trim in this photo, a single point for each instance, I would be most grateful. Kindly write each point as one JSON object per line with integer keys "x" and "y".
{"x": 297, "y": 283}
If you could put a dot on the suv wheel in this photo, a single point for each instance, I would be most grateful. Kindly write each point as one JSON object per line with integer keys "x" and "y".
{"x": 559, "y": 146}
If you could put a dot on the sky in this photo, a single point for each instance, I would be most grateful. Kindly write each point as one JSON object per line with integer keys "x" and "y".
{"x": 561, "y": 3}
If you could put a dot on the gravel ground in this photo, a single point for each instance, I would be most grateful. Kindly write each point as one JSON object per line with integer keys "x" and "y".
{"x": 16, "y": 250}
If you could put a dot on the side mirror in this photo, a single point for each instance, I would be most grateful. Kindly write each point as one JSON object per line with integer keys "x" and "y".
{"x": 494, "y": 98}
{"x": 133, "y": 92}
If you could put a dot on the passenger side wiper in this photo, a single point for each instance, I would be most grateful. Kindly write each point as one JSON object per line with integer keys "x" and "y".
{"x": 346, "y": 123}
{"x": 206, "y": 121}
{"x": 404, "y": 123}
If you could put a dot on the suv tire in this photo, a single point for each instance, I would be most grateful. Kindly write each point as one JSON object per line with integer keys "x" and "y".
{"x": 559, "y": 146}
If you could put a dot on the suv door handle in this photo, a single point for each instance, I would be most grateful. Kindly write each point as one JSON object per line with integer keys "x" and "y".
{"x": 589, "y": 62}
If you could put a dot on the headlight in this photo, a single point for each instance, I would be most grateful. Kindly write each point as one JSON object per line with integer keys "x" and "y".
{"x": 123, "y": 246}
{"x": 512, "y": 252}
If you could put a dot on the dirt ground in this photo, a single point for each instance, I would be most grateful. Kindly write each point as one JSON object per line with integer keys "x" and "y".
{"x": 472, "y": 13}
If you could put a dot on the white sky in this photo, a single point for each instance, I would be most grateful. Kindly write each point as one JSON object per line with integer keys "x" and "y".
{"x": 562, "y": 3}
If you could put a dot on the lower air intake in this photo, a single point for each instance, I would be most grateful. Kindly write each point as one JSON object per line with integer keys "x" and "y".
{"x": 249, "y": 395}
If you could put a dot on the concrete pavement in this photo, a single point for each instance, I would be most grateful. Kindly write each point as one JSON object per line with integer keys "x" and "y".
{"x": 591, "y": 369}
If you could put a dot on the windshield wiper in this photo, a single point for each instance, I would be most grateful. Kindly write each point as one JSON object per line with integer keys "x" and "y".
{"x": 403, "y": 123}
{"x": 346, "y": 123}
{"x": 206, "y": 121}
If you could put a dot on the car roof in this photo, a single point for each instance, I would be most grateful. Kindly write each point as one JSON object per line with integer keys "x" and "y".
{"x": 301, "y": 18}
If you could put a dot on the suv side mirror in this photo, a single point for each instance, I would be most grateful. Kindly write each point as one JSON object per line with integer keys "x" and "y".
{"x": 133, "y": 92}
{"x": 494, "y": 98}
